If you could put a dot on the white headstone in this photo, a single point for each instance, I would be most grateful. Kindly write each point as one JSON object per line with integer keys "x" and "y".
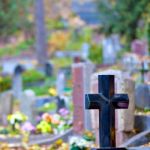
{"x": 26, "y": 104}
{"x": 6, "y": 105}
{"x": 85, "y": 50}
{"x": 60, "y": 83}
{"x": 109, "y": 54}
{"x": 17, "y": 82}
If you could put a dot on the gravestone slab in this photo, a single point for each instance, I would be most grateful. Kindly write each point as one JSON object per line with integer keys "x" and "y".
{"x": 88, "y": 70}
{"x": 142, "y": 96}
{"x": 60, "y": 83}
{"x": 48, "y": 69}
{"x": 81, "y": 73}
{"x": 111, "y": 46}
{"x": 85, "y": 50}
{"x": 6, "y": 105}
{"x": 26, "y": 104}
{"x": 78, "y": 97}
{"x": 17, "y": 82}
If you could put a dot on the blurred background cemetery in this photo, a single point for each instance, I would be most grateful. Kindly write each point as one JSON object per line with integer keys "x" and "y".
{"x": 51, "y": 52}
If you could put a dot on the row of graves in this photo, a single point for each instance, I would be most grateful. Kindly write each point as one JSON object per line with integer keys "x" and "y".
{"x": 111, "y": 106}
{"x": 113, "y": 100}
{"x": 27, "y": 119}
{"x": 113, "y": 103}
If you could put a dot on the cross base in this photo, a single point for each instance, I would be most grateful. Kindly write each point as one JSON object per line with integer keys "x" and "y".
{"x": 113, "y": 148}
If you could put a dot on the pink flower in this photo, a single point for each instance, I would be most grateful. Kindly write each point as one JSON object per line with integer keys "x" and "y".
{"x": 27, "y": 126}
{"x": 63, "y": 112}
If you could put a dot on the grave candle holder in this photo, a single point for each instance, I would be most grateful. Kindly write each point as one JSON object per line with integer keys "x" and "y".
{"x": 106, "y": 101}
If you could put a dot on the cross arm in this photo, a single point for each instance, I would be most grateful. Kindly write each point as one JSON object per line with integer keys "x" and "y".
{"x": 120, "y": 101}
{"x": 94, "y": 101}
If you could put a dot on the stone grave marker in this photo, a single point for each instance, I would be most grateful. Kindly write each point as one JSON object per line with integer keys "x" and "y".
{"x": 60, "y": 103}
{"x": 106, "y": 101}
{"x": 26, "y": 104}
{"x": 111, "y": 46}
{"x": 85, "y": 50}
{"x": 124, "y": 118}
{"x": 6, "y": 105}
{"x": 17, "y": 82}
{"x": 139, "y": 47}
{"x": 48, "y": 69}
{"x": 81, "y": 73}
{"x": 142, "y": 96}
{"x": 60, "y": 83}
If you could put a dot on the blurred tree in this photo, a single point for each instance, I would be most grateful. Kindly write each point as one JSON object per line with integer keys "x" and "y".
{"x": 41, "y": 43}
{"x": 13, "y": 16}
{"x": 122, "y": 16}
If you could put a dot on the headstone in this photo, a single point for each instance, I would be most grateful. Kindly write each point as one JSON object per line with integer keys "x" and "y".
{"x": 81, "y": 77}
{"x": 111, "y": 46}
{"x": 26, "y": 105}
{"x": 6, "y": 101}
{"x": 60, "y": 103}
{"x": 142, "y": 96}
{"x": 121, "y": 84}
{"x": 60, "y": 83}
{"x": 88, "y": 70}
{"x": 106, "y": 101}
{"x": 109, "y": 56}
{"x": 116, "y": 42}
{"x": 17, "y": 82}
{"x": 139, "y": 47}
{"x": 48, "y": 69}
{"x": 85, "y": 50}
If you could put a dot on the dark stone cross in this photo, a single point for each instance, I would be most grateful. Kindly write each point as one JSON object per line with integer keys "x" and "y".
{"x": 106, "y": 101}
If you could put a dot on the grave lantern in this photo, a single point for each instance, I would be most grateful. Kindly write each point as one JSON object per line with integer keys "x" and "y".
{"x": 106, "y": 101}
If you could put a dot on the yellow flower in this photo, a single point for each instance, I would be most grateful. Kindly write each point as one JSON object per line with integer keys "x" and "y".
{"x": 52, "y": 91}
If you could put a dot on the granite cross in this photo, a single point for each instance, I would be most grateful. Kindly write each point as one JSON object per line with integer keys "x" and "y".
{"x": 106, "y": 101}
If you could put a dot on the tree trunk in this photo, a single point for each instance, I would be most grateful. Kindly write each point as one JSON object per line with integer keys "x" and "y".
{"x": 41, "y": 45}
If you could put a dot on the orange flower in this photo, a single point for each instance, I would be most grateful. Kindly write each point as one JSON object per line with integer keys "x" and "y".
{"x": 47, "y": 117}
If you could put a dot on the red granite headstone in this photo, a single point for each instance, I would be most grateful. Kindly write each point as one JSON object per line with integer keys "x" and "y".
{"x": 78, "y": 97}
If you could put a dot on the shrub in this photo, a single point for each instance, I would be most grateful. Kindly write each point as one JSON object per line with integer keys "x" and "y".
{"x": 96, "y": 54}
{"x": 31, "y": 76}
{"x": 5, "y": 83}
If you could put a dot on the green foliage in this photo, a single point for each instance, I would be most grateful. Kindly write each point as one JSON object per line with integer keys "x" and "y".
{"x": 61, "y": 62}
{"x": 122, "y": 16}
{"x": 96, "y": 54}
{"x": 78, "y": 37}
{"x": 41, "y": 90}
{"x": 31, "y": 76}
{"x": 48, "y": 107}
{"x": 5, "y": 83}
{"x": 52, "y": 24}
{"x": 13, "y": 15}
{"x": 16, "y": 50}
